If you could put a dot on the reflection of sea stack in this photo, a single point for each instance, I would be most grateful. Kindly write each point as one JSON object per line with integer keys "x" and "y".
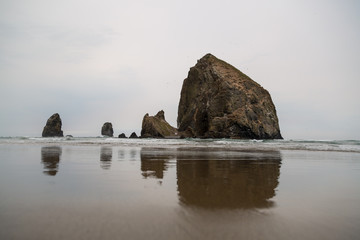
{"x": 107, "y": 130}
{"x": 154, "y": 162}
{"x": 50, "y": 157}
{"x": 219, "y": 101}
{"x": 247, "y": 183}
{"x": 53, "y": 127}
{"x": 105, "y": 157}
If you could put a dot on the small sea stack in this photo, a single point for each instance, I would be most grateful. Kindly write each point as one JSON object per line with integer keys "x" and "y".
{"x": 107, "y": 130}
{"x": 219, "y": 101}
{"x": 133, "y": 135}
{"x": 157, "y": 127}
{"x": 53, "y": 127}
{"x": 122, "y": 135}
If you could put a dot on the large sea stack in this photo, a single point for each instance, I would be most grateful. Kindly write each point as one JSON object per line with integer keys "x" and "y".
{"x": 107, "y": 130}
{"x": 53, "y": 127}
{"x": 219, "y": 101}
{"x": 157, "y": 127}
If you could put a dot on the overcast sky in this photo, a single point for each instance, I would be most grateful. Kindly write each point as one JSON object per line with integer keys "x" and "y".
{"x": 116, "y": 60}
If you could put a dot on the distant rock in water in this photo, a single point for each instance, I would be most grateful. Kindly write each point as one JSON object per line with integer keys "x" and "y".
{"x": 122, "y": 135}
{"x": 219, "y": 101}
{"x": 107, "y": 130}
{"x": 133, "y": 135}
{"x": 53, "y": 127}
{"x": 157, "y": 127}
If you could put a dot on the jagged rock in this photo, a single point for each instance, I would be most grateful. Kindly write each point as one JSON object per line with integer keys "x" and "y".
{"x": 133, "y": 135}
{"x": 107, "y": 130}
{"x": 53, "y": 127}
{"x": 122, "y": 135}
{"x": 219, "y": 101}
{"x": 157, "y": 127}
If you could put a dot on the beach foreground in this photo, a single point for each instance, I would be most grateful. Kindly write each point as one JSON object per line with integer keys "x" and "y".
{"x": 56, "y": 190}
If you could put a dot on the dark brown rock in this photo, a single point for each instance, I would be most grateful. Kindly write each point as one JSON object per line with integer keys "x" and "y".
{"x": 219, "y": 101}
{"x": 107, "y": 130}
{"x": 53, "y": 127}
{"x": 133, "y": 135}
{"x": 157, "y": 127}
{"x": 122, "y": 135}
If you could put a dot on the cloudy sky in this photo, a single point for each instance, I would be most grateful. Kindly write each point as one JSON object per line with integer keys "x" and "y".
{"x": 115, "y": 60}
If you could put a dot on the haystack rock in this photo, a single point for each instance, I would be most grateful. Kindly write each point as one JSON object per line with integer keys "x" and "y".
{"x": 219, "y": 101}
{"x": 157, "y": 127}
{"x": 53, "y": 127}
{"x": 107, "y": 130}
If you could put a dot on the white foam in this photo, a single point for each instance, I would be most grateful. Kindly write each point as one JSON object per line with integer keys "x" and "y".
{"x": 308, "y": 145}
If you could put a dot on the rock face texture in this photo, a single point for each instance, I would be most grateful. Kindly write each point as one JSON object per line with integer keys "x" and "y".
{"x": 107, "y": 130}
{"x": 219, "y": 101}
{"x": 157, "y": 127}
{"x": 53, "y": 127}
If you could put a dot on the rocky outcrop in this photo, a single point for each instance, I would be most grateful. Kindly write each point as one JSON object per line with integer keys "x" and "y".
{"x": 219, "y": 101}
{"x": 134, "y": 135}
{"x": 157, "y": 127}
{"x": 53, "y": 127}
{"x": 122, "y": 135}
{"x": 107, "y": 130}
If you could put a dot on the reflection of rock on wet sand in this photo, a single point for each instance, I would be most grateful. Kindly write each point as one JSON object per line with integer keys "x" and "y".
{"x": 105, "y": 157}
{"x": 237, "y": 180}
{"x": 154, "y": 162}
{"x": 218, "y": 178}
{"x": 50, "y": 157}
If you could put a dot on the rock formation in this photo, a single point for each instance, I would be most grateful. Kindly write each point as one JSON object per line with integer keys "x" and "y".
{"x": 157, "y": 127}
{"x": 53, "y": 127}
{"x": 133, "y": 135}
{"x": 122, "y": 135}
{"x": 219, "y": 101}
{"x": 107, "y": 130}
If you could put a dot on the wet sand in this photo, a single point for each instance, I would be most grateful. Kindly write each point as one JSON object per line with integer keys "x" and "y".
{"x": 115, "y": 192}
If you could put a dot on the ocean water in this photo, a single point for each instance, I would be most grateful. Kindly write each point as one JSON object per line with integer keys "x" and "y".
{"x": 311, "y": 145}
{"x": 109, "y": 188}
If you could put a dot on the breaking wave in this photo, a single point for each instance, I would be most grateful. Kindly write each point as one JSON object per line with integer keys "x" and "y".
{"x": 308, "y": 145}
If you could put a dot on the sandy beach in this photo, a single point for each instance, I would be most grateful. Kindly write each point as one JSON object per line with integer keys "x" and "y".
{"x": 59, "y": 191}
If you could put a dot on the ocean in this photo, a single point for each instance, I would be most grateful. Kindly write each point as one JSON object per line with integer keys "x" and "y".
{"x": 110, "y": 188}
{"x": 310, "y": 145}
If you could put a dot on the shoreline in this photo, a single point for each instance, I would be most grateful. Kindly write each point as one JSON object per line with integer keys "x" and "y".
{"x": 351, "y": 146}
